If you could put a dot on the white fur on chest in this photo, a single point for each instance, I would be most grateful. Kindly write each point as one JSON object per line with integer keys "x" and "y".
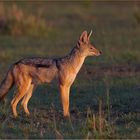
{"x": 78, "y": 64}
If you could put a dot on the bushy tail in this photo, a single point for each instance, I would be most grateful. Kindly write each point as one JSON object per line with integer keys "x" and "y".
{"x": 6, "y": 84}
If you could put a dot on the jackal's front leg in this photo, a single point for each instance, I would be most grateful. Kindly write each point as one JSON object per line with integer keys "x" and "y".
{"x": 64, "y": 91}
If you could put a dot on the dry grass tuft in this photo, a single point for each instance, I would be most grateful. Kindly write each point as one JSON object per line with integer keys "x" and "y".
{"x": 16, "y": 22}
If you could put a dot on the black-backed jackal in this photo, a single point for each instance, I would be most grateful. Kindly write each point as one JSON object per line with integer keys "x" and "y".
{"x": 27, "y": 73}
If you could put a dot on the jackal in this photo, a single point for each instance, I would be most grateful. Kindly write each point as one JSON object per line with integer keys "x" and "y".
{"x": 27, "y": 73}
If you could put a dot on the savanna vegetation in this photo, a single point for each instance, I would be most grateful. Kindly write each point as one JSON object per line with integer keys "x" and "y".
{"x": 105, "y": 98}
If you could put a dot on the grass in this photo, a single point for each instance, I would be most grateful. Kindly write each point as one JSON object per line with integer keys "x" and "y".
{"x": 110, "y": 81}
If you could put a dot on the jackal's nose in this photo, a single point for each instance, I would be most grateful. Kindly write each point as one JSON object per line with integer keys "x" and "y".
{"x": 100, "y": 52}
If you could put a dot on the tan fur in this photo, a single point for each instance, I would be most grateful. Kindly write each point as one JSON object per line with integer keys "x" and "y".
{"x": 29, "y": 72}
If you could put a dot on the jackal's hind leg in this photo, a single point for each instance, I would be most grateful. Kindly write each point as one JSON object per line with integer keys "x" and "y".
{"x": 64, "y": 91}
{"x": 26, "y": 98}
{"x": 22, "y": 90}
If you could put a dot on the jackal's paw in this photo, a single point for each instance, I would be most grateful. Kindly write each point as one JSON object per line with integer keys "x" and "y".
{"x": 27, "y": 114}
{"x": 67, "y": 115}
{"x": 15, "y": 115}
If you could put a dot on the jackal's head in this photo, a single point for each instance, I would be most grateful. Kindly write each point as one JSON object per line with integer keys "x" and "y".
{"x": 85, "y": 47}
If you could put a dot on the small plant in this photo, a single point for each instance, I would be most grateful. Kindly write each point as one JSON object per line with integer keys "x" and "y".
{"x": 98, "y": 126}
{"x": 107, "y": 83}
{"x": 58, "y": 134}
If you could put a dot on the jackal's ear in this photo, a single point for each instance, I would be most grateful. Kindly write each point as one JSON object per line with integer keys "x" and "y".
{"x": 89, "y": 35}
{"x": 84, "y": 37}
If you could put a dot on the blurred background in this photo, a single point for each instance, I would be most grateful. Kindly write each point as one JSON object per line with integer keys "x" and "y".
{"x": 52, "y": 28}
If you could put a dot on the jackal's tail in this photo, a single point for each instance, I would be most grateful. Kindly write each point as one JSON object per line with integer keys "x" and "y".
{"x": 6, "y": 84}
